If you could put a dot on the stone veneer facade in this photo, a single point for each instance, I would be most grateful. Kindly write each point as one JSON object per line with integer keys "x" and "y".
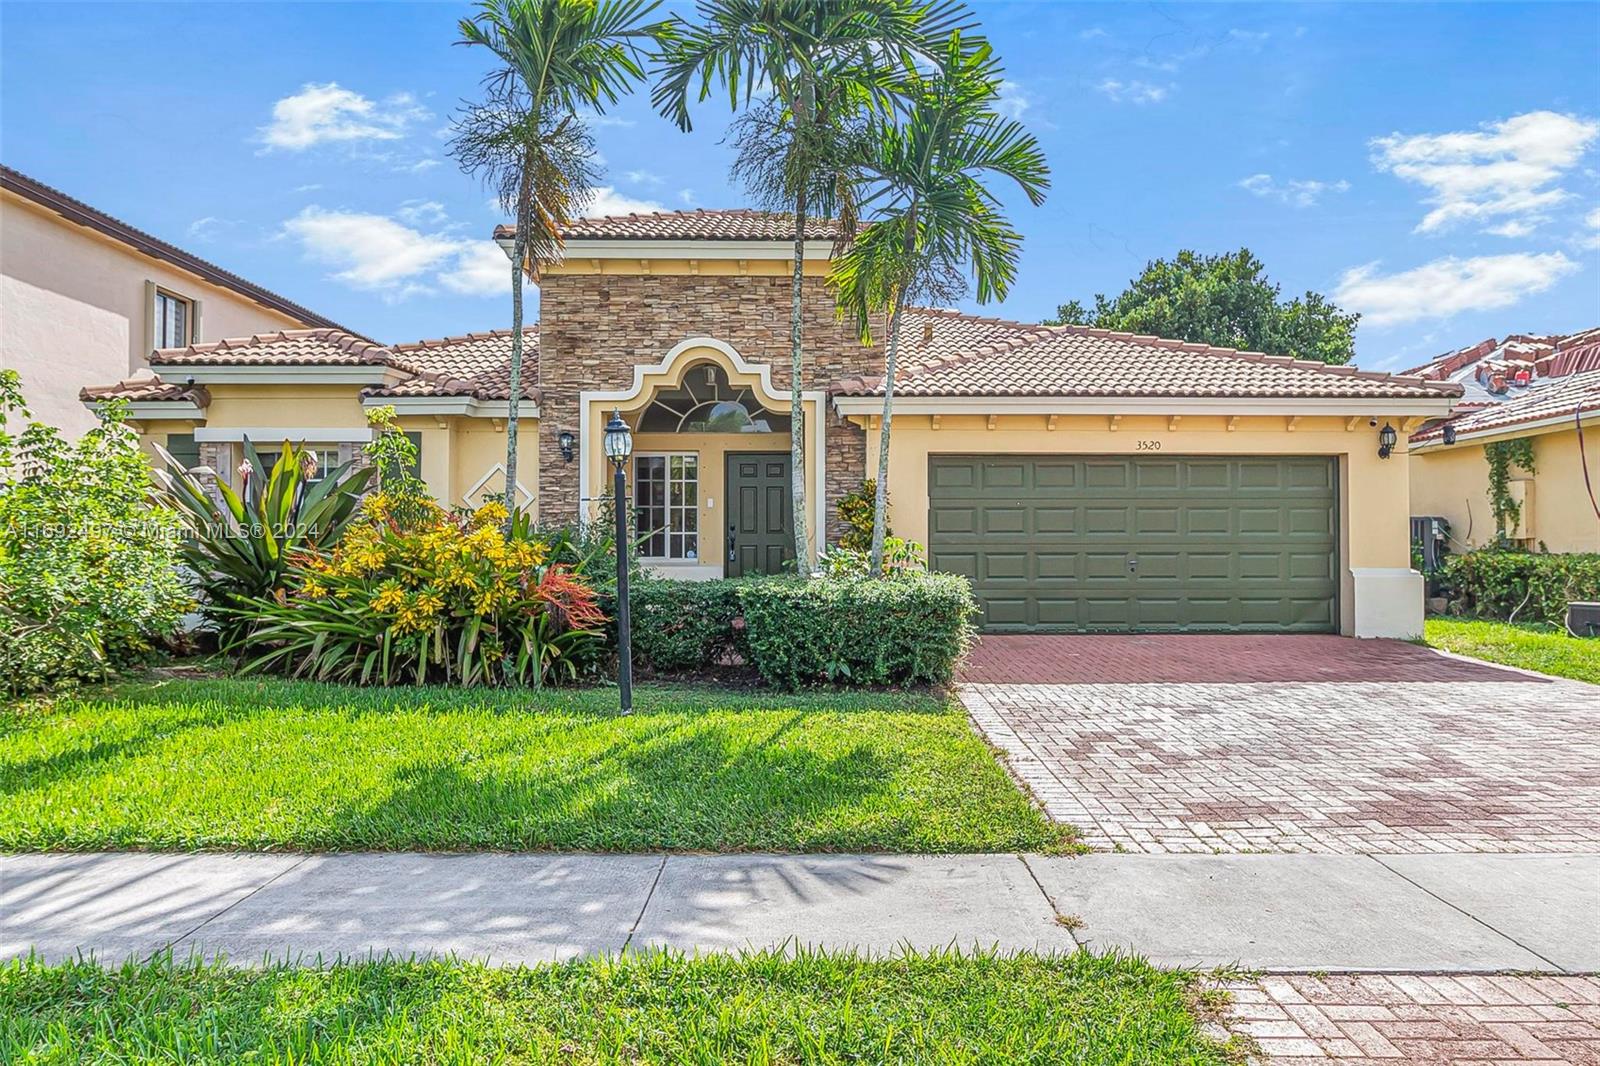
{"x": 595, "y": 328}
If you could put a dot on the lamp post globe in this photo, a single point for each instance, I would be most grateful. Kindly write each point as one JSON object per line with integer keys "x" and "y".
{"x": 618, "y": 446}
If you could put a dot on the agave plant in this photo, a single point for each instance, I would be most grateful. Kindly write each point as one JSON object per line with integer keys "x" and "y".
{"x": 241, "y": 546}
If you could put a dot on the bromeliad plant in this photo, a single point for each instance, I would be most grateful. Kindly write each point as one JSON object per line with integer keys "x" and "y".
{"x": 240, "y": 546}
{"x": 445, "y": 598}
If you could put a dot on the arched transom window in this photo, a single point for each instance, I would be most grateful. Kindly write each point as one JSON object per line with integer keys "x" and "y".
{"x": 707, "y": 402}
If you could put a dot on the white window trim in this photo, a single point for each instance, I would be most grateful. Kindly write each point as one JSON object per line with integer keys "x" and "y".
{"x": 699, "y": 531}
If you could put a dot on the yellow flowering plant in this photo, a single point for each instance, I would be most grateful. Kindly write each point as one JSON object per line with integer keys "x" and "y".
{"x": 437, "y": 597}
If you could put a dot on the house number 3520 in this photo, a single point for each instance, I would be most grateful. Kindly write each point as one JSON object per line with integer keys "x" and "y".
{"x": 1149, "y": 446}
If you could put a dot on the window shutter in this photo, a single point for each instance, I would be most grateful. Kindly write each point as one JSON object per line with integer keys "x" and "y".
{"x": 194, "y": 322}
{"x": 150, "y": 313}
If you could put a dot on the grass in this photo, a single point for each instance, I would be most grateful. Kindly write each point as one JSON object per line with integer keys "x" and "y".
{"x": 273, "y": 764}
{"x": 1528, "y": 645}
{"x": 801, "y": 1007}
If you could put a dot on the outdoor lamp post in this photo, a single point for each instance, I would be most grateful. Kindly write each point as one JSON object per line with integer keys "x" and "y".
{"x": 619, "y": 445}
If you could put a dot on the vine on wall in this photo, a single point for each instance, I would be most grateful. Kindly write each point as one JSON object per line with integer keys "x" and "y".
{"x": 1502, "y": 456}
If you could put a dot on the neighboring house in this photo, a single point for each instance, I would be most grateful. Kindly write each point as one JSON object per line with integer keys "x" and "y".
{"x": 85, "y": 298}
{"x": 1084, "y": 480}
{"x": 1542, "y": 388}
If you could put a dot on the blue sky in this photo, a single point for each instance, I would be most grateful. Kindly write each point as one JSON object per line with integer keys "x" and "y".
{"x": 1436, "y": 167}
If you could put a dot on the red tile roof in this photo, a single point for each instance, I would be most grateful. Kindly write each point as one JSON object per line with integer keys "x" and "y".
{"x": 476, "y": 365}
{"x": 737, "y": 224}
{"x": 1556, "y": 398}
{"x": 146, "y": 388}
{"x": 947, "y": 353}
{"x": 77, "y": 211}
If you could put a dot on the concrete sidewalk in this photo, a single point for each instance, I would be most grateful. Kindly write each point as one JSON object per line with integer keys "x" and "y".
{"x": 1448, "y": 913}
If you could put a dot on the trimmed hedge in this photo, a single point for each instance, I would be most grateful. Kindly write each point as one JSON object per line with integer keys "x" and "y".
{"x": 912, "y": 628}
{"x": 683, "y": 626}
{"x": 902, "y": 630}
{"x": 1492, "y": 584}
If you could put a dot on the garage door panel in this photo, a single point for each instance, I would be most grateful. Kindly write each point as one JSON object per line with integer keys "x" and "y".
{"x": 1220, "y": 544}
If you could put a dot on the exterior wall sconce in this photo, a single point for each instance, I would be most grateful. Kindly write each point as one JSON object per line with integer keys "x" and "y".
{"x": 1386, "y": 441}
{"x": 566, "y": 441}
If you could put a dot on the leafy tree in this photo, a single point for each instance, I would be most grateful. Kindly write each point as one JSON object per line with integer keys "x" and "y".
{"x": 555, "y": 57}
{"x": 1226, "y": 300}
{"x": 88, "y": 576}
{"x": 824, "y": 64}
{"x": 936, "y": 221}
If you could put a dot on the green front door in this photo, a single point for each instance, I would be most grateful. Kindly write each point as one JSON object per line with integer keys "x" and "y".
{"x": 1074, "y": 543}
{"x": 760, "y": 517}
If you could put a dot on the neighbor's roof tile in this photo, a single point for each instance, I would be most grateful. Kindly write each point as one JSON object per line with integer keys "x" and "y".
{"x": 736, "y": 224}
{"x": 947, "y": 353}
{"x": 1553, "y": 398}
{"x": 145, "y": 387}
{"x": 478, "y": 365}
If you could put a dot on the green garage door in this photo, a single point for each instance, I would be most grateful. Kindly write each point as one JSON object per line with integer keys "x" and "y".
{"x": 1065, "y": 543}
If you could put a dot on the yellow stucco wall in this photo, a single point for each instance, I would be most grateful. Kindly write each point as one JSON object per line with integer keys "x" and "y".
{"x": 1454, "y": 482}
{"x": 74, "y": 309}
{"x": 1373, "y": 504}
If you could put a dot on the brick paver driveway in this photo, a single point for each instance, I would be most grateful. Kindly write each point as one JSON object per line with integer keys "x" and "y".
{"x": 1290, "y": 743}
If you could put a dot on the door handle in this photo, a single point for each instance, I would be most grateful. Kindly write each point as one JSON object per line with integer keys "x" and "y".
{"x": 732, "y": 545}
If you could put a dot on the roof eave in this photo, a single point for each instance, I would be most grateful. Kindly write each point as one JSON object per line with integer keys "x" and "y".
{"x": 870, "y": 404}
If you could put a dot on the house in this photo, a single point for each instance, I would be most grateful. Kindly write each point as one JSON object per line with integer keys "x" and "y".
{"x": 1542, "y": 388}
{"x": 1084, "y": 480}
{"x": 85, "y": 298}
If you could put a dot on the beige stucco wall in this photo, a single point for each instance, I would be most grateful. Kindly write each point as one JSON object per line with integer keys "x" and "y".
{"x": 1374, "y": 493}
{"x": 74, "y": 311}
{"x": 1454, "y": 482}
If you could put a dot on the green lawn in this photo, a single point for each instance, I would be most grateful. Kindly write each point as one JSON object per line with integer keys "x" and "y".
{"x": 271, "y": 764}
{"x": 1528, "y": 645}
{"x": 811, "y": 1008}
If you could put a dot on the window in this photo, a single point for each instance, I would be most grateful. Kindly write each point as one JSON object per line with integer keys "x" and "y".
{"x": 182, "y": 447}
{"x": 707, "y": 402}
{"x": 172, "y": 321}
{"x": 666, "y": 500}
{"x": 327, "y": 461}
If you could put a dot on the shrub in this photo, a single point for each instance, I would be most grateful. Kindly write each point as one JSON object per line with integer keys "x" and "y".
{"x": 437, "y": 597}
{"x": 1533, "y": 587}
{"x": 898, "y": 555}
{"x": 902, "y": 630}
{"x": 856, "y": 508}
{"x": 684, "y": 626}
{"x": 239, "y": 547}
{"x": 88, "y": 577}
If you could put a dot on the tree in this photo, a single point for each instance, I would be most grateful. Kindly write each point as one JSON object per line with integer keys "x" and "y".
{"x": 936, "y": 221}
{"x": 555, "y": 56}
{"x": 824, "y": 63}
{"x": 1225, "y": 300}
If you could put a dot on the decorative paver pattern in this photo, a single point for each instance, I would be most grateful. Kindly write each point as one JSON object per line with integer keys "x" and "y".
{"x": 1299, "y": 744}
{"x": 1459, "y": 1020}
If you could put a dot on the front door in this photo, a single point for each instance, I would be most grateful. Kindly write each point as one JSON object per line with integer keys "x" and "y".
{"x": 760, "y": 517}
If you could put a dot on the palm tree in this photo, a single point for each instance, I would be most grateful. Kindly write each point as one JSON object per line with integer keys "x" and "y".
{"x": 555, "y": 57}
{"x": 936, "y": 221}
{"x": 822, "y": 62}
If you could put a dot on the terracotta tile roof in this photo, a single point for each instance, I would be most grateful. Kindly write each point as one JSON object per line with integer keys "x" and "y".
{"x": 477, "y": 365}
{"x": 736, "y": 224}
{"x": 1554, "y": 398}
{"x": 1496, "y": 370}
{"x": 145, "y": 387}
{"x": 74, "y": 210}
{"x": 286, "y": 347}
{"x": 947, "y": 353}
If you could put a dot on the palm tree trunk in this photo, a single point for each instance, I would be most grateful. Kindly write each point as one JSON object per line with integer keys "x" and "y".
{"x": 797, "y": 412}
{"x": 519, "y": 249}
{"x": 880, "y": 502}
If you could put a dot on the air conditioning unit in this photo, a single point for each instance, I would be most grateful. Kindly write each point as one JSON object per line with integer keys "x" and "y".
{"x": 1584, "y": 619}
{"x": 1431, "y": 533}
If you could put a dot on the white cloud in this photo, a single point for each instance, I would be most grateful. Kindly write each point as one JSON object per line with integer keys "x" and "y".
{"x": 312, "y": 187}
{"x": 1133, "y": 92}
{"x": 209, "y": 228}
{"x": 1515, "y": 227}
{"x": 608, "y": 201}
{"x": 422, "y": 213}
{"x": 593, "y": 118}
{"x": 1590, "y": 241}
{"x": 687, "y": 198}
{"x": 320, "y": 114}
{"x": 481, "y": 269}
{"x": 1013, "y": 100}
{"x": 643, "y": 177}
{"x": 1447, "y": 286}
{"x": 1091, "y": 33}
{"x": 377, "y": 253}
{"x": 1505, "y": 169}
{"x": 1297, "y": 193}
{"x": 419, "y": 166}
